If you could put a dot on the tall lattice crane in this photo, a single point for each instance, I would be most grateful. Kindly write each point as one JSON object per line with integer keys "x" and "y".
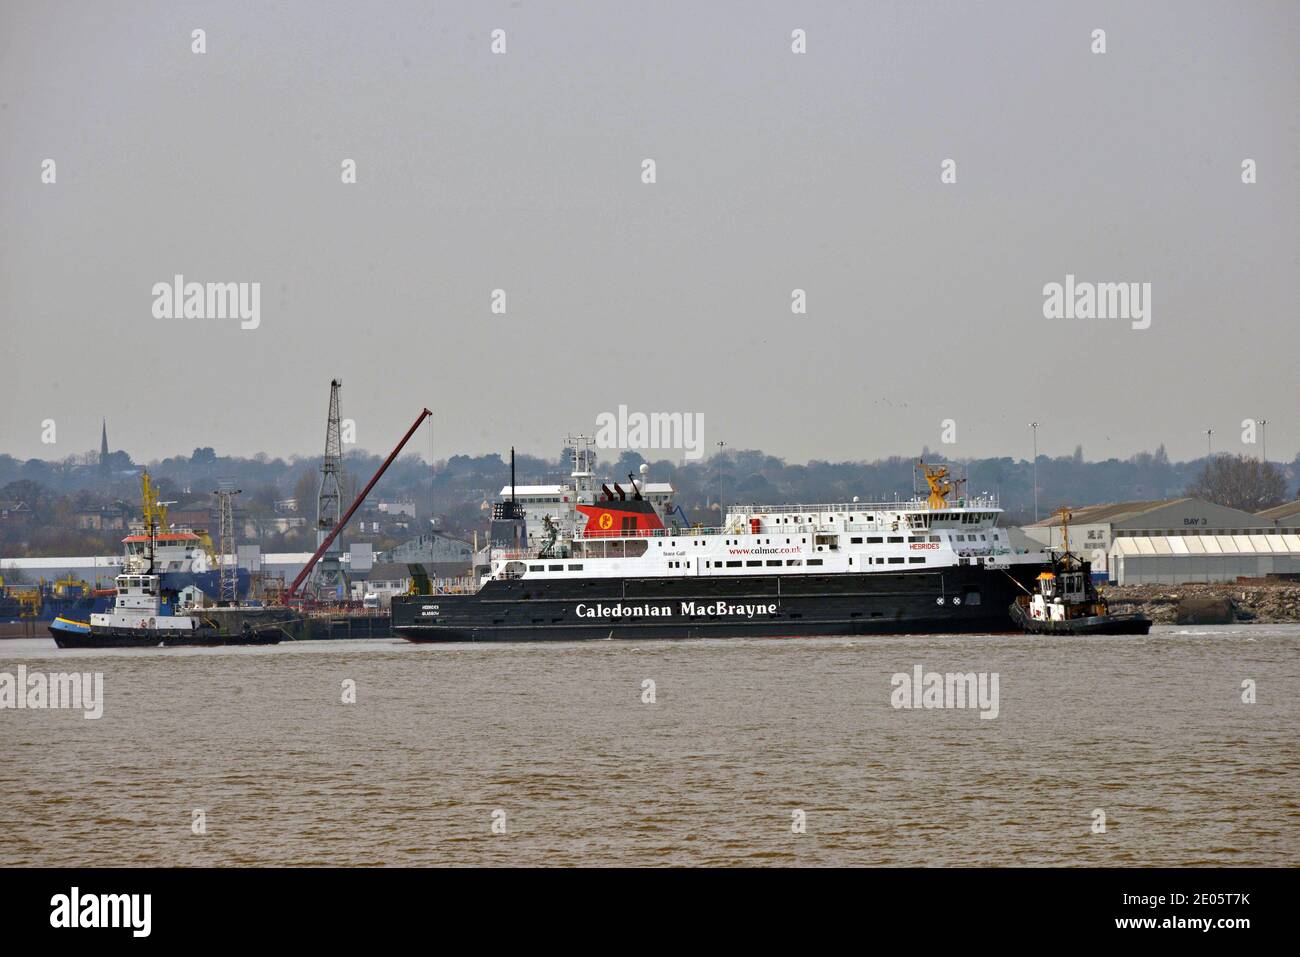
{"x": 228, "y": 559}
{"x": 329, "y": 579}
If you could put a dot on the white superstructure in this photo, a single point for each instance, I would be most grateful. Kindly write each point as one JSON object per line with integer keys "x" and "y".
{"x": 138, "y": 604}
{"x": 794, "y": 539}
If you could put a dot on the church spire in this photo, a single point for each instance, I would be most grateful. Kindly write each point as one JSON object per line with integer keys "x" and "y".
{"x": 103, "y": 445}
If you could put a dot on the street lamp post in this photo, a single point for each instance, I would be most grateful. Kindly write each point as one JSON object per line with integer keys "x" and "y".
{"x": 1209, "y": 443}
{"x": 1034, "y": 426}
{"x": 1263, "y": 437}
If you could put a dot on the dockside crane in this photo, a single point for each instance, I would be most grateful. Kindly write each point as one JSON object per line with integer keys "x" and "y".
{"x": 330, "y": 578}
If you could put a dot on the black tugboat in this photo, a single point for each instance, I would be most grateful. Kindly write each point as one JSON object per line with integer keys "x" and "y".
{"x": 1065, "y": 601}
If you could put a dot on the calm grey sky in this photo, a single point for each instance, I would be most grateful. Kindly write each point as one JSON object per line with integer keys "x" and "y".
{"x": 775, "y": 171}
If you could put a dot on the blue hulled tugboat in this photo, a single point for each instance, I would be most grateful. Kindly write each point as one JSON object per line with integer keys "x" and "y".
{"x": 146, "y": 613}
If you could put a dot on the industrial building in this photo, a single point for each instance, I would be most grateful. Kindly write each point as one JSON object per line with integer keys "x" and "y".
{"x": 432, "y": 548}
{"x": 1285, "y": 518}
{"x": 1174, "y": 541}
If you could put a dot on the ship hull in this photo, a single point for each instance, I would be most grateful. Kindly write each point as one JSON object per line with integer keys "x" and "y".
{"x": 938, "y": 601}
{"x": 1121, "y": 624}
{"x": 219, "y": 627}
{"x": 145, "y": 638}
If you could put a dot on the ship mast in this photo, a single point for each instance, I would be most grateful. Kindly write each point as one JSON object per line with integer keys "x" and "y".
{"x": 1064, "y": 514}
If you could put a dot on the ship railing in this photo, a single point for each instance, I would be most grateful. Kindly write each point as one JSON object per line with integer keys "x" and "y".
{"x": 463, "y": 585}
{"x": 742, "y": 527}
{"x": 969, "y": 503}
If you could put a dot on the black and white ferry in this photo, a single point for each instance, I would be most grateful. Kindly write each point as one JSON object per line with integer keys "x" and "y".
{"x": 923, "y": 566}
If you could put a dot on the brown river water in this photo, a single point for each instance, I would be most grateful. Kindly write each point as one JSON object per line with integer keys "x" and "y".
{"x": 554, "y": 742}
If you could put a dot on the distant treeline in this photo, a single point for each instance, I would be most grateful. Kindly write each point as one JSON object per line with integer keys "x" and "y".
{"x": 455, "y": 488}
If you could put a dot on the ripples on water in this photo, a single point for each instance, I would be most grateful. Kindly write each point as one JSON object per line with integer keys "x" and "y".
{"x": 1151, "y": 730}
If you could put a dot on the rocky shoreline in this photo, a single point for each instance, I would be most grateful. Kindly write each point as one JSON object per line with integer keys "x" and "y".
{"x": 1263, "y": 603}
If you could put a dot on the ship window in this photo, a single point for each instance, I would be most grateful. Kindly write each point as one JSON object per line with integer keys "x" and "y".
{"x": 934, "y": 538}
{"x": 794, "y": 561}
{"x": 916, "y": 538}
{"x": 575, "y": 568}
{"x": 776, "y": 562}
{"x": 856, "y": 540}
{"x": 895, "y": 561}
{"x": 895, "y": 538}
{"x": 556, "y": 568}
{"x": 916, "y": 561}
{"x": 814, "y": 561}
{"x": 874, "y": 540}
{"x": 536, "y": 568}
{"x": 733, "y": 564}
{"x": 753, "y": 564}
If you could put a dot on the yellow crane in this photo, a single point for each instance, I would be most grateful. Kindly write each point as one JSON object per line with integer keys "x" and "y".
{"x": 154, "y": 512}
{"x": 936, "y": 476}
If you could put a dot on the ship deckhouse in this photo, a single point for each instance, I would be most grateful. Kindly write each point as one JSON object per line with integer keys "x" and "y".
{"x": 180, "y": 550}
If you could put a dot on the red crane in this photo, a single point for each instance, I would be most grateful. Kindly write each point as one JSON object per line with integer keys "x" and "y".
{"x": 302, "y": 575}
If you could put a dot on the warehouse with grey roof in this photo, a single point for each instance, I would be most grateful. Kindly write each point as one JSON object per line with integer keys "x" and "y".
{"x": 1177, "y": 540}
